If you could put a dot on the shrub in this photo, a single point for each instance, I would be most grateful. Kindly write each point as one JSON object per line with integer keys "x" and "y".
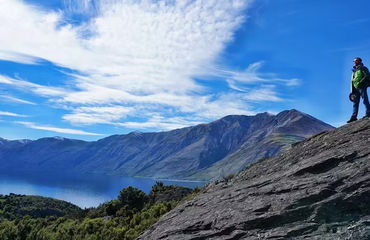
{"x": 133, "y": 197}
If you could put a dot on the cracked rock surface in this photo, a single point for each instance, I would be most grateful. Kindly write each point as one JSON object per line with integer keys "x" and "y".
{"x": 318, "y": 189}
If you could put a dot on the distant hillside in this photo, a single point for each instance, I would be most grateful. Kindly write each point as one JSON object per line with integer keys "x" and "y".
{"x": 15, "y": 206}
{"x": 205, "y": 151}
{"x": 318, "y": 189}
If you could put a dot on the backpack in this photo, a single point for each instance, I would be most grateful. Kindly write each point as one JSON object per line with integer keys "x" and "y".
{"x": 365, "y": 70}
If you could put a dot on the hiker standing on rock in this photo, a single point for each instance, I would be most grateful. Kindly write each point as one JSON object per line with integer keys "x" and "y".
{"x": 359, "y": 84}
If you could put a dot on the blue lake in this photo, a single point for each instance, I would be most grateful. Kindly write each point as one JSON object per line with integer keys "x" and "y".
{"x": 83, "y": 190}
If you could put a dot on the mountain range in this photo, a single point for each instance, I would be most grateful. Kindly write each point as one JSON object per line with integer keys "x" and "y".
{"x": 202, "y": 152}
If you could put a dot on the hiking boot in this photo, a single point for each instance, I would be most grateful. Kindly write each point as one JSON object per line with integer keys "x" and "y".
{"x": 352, "y": 119}
{"x": 366, "y": 117}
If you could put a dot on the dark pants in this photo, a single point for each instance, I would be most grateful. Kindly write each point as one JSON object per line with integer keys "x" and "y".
{"x": 360, "y": 93}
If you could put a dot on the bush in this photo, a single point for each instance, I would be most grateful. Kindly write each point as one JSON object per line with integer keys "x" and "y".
{"x": 133, "y": 198}
{"x": 158, "y": 187}
{"x": 112, "y": 207}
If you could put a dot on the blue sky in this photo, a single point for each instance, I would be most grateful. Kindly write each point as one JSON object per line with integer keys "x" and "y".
{"x": 92, "y": 68}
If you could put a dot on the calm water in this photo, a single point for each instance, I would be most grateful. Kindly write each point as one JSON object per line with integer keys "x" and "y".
{"x": 83, "y": 190}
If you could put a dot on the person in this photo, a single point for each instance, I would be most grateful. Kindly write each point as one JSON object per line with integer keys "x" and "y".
{"x": 359, "y": 86}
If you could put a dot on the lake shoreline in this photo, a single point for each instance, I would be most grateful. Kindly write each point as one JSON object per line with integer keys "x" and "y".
{"x": 83, "y": 190}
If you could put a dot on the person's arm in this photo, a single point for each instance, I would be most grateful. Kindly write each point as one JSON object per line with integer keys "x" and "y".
{"x": 352, "y": 77}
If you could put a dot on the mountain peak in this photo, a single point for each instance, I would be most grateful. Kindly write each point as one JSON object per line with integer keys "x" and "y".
{"x": 291, "y": 112}
{"x": 59, "y": 138}
{"x": 264, "y": 114}
{"x": 136, "y": 133}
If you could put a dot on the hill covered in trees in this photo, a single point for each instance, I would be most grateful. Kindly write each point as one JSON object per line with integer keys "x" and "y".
{"x": 34, "y": 217}
{"x": 15, "y": 206}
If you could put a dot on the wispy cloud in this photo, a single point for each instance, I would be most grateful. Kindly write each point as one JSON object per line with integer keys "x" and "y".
{"x": 253, "y": 74}
{"x": 266, "y": 93}
{"x": 11, "y": 114}
{"x": 93, "y": 115}
{"x": 160, "y": 122}
{"x": 18, "y": 57}
{"x": 41, "y": 90}
{"x": 16, "y": 100}
{"x": 57, "y": 129}
{"x": 135, "y": 57}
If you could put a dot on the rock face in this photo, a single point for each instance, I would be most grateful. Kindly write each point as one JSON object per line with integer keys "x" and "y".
{"x": 318, "y": 189}
{"x": 200, "y": 152}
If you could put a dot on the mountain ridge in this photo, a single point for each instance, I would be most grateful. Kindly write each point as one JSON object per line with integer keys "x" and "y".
{"x": 194, "y": 153}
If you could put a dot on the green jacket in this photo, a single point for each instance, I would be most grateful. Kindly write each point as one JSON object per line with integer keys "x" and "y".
{"x": 359, "y": 77}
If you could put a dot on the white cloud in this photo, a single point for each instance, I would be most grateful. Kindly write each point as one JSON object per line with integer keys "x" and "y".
{"x": 266, "y": 93}
{"x": 16, "y": 100}
{"x": 18, "y": 57}
{"x": 57, "y": 129}
{"x": 92, "y": 115}
{"x": 250, "y": 75}
{"x": 219, "y": 106}
{"x": 253, "y": 75}
{"x": 132, "y": 55}
{"x": 293, "y": 82}
{"x": 145, "y": 44}
{"x": 45, "y": 91}
{"x": 11, "y": 114}
{"x": 161, "y": 122}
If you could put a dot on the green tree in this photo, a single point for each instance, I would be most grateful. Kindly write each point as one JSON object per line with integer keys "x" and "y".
{"x": 158, "y": 187}
{"x": 133, "y": 197}
{"x": 112, "y": 207}
{"x": 8, "y": 230}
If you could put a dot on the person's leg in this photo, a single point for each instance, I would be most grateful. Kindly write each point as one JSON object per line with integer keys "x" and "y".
{"x": 365, "y": 101}
{"x": 356, "y": 103}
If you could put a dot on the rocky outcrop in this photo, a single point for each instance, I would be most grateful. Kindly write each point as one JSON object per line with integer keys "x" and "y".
{"x": 318, "y": 189}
